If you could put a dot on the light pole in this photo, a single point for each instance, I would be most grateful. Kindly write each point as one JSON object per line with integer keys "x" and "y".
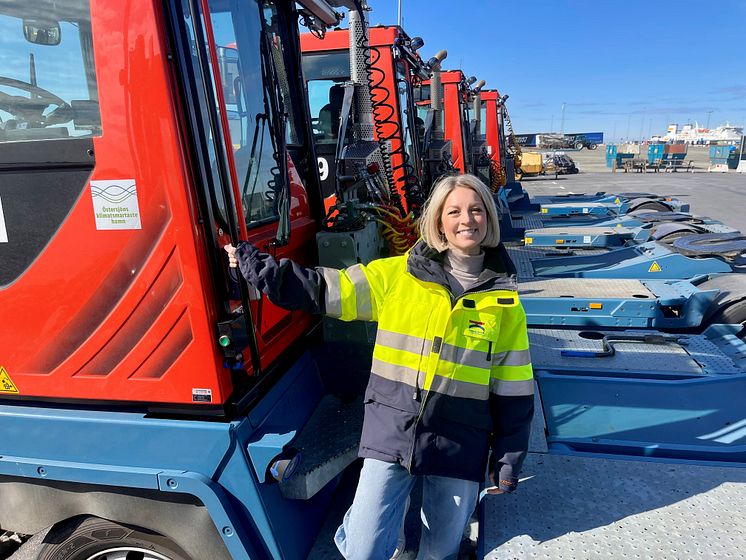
{"x": 642, "y": 122}
{"x": 562, "y": 120}
{"x": 551, "y": 126}
{"x": 707, "y": 126}
{"x": 629, "y": 121}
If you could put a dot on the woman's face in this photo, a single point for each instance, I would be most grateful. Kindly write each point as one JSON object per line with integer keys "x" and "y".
{"x": 463, "y": 220}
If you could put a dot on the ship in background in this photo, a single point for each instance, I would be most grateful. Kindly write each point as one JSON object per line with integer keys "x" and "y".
{"x": 694, "y": 134}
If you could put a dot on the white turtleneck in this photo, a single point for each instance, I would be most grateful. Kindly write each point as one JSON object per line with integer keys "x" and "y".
{"x": 462, "y": 270}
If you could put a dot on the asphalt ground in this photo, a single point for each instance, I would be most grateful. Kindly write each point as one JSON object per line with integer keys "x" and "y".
{"x": 721, "y": 196}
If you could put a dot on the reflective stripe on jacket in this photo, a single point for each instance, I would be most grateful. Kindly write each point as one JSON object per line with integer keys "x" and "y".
{"x": 451, "y": 377}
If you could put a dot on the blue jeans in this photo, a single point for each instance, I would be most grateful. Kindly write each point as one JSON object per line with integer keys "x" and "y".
{"x": 371, "y": 526}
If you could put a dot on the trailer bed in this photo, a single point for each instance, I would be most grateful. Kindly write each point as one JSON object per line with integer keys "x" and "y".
{"x": 587, "y": 508}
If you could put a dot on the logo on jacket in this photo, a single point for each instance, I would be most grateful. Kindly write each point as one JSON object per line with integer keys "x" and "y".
{"x": 476, "y": 327}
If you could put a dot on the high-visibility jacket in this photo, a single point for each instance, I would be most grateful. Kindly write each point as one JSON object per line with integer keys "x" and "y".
{"x": 451, "y": 376}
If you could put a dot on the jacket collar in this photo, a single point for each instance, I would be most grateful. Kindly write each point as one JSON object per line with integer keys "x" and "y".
{"x": 426, "y": 264}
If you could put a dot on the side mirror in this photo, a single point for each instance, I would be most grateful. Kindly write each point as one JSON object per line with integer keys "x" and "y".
{"x": 42, "y": 32}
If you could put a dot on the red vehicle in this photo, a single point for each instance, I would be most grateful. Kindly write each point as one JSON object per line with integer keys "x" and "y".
{"x": 468, "y": 146}
{"x": 387, "y": 81}
{"x": 136, "y": 192}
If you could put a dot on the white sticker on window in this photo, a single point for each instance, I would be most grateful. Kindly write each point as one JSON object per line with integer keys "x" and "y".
{"x": 586, "y": 239}
{"x": 115, "y": 204}
{"x": 3, "y": 231}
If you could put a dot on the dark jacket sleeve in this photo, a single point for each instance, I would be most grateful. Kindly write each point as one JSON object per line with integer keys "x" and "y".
{"x": 286, "y": 284}
{"x": 512, "y": 426}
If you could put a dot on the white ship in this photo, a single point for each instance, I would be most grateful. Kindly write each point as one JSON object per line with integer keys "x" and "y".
{"x": 694, "y": 134}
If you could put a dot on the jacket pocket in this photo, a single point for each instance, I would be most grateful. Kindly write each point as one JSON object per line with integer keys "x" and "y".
{"x": 387, "y": 427}
{"x": 472, "y": 413}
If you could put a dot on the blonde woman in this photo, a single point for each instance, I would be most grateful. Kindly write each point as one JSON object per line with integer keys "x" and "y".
{"x": 450, "y": 394}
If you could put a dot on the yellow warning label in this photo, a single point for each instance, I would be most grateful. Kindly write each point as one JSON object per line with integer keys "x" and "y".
{"x": 545, "y": 210}
{"x": 529, "y": 240}
{"x": 617, "y": 200}
{"x": 619, "y": 225}
{"x": 655, "y": 267}
{"x": 6, "y": 383}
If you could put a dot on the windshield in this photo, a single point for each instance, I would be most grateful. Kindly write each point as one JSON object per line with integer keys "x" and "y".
{"x": 325, "y": 74}
{"x": 47, "y": 75}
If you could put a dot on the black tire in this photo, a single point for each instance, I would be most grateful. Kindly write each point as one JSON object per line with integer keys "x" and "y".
{"x": 729, "y": 306}
{"x": 578, "y": 145}
{"x": 93, "y": 538}
{"x": 653, "y": 206}
{"x": 592, "y": 146}
{"x": 733, "y": 314}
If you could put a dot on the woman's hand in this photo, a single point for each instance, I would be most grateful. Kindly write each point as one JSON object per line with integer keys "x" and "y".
{"x": 232, "y": 260}
{"x": 494, "y": 489}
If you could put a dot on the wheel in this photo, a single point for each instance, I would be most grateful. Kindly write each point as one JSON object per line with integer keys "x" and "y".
{"x": 592, "y": 146}
{"x": 733, "y": 314}
{"x": 729, "y": 306}
{"x": 578, "y": 145}
{"x": 92, "y": 538}
{"x": 653, "y": 206}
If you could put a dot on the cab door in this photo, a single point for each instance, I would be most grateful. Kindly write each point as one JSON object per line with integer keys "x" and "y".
{"x": 265, "y": 137}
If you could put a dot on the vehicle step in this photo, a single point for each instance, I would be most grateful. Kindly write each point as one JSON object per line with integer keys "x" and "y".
{"x": 327, "y": 444}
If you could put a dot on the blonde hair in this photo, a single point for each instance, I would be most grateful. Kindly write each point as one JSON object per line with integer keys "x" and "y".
{"x": 430, "y": 222}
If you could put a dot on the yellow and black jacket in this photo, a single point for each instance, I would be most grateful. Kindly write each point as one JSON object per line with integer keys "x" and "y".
{"x": 451, "y": 376}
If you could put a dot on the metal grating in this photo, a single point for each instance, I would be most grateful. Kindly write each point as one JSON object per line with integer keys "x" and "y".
{"x": 528, "y": 221}
{"x": 576, "y": 508}
{"x": 582, "y": 230}
{"x": 328, "y": 444}
{"x": 669, "y": 357}
{"x": 586, "y": 288}
{"x": 522, "y": 257}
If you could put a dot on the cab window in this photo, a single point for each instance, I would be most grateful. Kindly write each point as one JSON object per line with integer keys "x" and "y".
{"x": 47, "y": 76}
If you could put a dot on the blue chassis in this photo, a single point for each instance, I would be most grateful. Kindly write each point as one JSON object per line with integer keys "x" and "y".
{"x": 221, "y": 464}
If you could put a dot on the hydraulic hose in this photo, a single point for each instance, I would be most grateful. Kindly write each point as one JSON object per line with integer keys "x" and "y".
{"x": 389, "y": 129}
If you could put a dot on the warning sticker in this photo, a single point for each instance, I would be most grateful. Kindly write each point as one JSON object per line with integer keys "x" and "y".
{"x": 528, "y": 240}
{"x": 201, "y": 395}
{"x": 545, "y": 210}
{"x": 3, "y": 231}
{"x": 586, "y": 239}
{"x": 655, "y": 267}
{"x": 617, "y": 201}
{"x": 585, "y": 210}
{"x": 6, "y": 383}
{"x": 115, "y": 204}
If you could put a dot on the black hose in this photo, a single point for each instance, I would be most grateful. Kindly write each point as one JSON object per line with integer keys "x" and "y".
{"x": 385, "y": 118}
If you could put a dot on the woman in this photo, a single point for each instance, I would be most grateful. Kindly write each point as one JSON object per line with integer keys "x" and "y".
{"x": 451, "y": 376}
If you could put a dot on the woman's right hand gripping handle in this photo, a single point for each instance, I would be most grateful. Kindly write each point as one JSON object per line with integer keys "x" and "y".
{"x": 232, "y": 260}
{"x": 285, "y": 283}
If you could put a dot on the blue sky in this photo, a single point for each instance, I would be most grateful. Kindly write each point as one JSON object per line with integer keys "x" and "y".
{"x": 625, "y": 68}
